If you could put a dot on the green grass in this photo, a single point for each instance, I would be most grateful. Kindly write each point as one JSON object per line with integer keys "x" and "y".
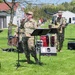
{"x": 62, "y": 64}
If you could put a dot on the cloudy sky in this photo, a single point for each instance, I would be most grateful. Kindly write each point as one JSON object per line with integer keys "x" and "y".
{"x": 47, "y": 1}
{"x": 51, "y": 1}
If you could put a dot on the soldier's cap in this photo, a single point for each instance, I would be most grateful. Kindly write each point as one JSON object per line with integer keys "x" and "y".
{"x": 31, "y": 13}
{"x": 59, "y": 12}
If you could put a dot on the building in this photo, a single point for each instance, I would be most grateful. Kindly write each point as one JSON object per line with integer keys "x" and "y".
{"x": 70, "y": 17}
{"x": 5, "y": 14}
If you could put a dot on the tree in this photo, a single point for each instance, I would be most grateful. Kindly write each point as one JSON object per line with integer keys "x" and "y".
{"x": 12, "y": 15}
{"x": 1, "y": 1}
{"x": 11, "y": 9}
{"x": 73, "y": 1}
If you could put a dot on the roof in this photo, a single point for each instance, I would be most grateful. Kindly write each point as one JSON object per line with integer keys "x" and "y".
{"x": 3, "y": 14}
{"x": 5, "y": 7}
{"x": 68, "y": 14}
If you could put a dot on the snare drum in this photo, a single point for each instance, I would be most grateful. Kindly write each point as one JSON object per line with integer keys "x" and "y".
{"x": 13, "y": 41}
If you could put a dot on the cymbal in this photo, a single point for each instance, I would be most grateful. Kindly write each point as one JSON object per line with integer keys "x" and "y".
{"x": 12, "y": 25}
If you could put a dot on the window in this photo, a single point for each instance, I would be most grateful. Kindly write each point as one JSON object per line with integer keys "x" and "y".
{"x": 3, "y": 22}
{"x": 73, "y": 18}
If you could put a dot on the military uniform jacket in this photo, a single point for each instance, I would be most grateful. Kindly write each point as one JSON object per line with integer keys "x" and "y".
{"x": 61, "y": 22}
{"x": 26, "y": 28}
{"x": 29, "y": 27}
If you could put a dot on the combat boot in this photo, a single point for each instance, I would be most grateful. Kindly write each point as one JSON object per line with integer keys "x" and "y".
{"x": 28, "y": 60}
{"x": 37, "y": 61}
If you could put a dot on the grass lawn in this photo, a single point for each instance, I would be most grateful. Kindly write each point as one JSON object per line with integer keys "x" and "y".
{"x": 62, "y": 64}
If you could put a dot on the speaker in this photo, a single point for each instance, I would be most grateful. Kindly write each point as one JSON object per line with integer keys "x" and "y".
{"x": 71, "y": 45}
{"x": 48, "y": 51}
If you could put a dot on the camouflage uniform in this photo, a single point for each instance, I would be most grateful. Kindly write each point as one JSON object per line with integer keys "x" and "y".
{"x": 54, "y": 25}
{"x": 61, "y": 22}
{"x": 28, "y": 40}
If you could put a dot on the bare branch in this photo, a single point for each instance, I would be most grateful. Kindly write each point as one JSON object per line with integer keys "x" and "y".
{"x": 7, "y": 4}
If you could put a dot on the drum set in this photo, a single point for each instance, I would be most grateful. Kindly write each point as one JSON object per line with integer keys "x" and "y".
{"x": 13, "y": 41}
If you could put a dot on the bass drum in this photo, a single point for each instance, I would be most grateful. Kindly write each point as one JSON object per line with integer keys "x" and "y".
{"x": 13, "y": 41}
{"x": 45, "y": 39}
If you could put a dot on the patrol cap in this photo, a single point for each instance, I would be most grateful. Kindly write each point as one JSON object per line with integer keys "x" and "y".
{"x": 59, "y": 12}
{"x": 31, "y": 13}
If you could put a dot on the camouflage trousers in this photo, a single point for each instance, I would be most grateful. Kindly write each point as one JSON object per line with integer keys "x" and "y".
{"x": 29, "y": 47}
{"x": 60, "y": 38}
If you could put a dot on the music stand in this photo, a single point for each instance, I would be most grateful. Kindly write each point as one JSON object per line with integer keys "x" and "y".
{"x": 39, "y": 32}
{"x": 54, "y": 30}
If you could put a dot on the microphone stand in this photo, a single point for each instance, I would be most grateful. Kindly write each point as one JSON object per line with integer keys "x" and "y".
{"x": 18, "y": 64}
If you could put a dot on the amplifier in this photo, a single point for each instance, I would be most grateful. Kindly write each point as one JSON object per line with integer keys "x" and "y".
{"x": 71, "y": 45}
{"x": 48, "y": 51}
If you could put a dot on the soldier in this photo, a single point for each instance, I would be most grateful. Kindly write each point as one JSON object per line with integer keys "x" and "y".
{"x": 26, "y": 28}
{"x": 53, "y": 42}
{"x": 54, "y": 18}
{"x": 61, "y": 21}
